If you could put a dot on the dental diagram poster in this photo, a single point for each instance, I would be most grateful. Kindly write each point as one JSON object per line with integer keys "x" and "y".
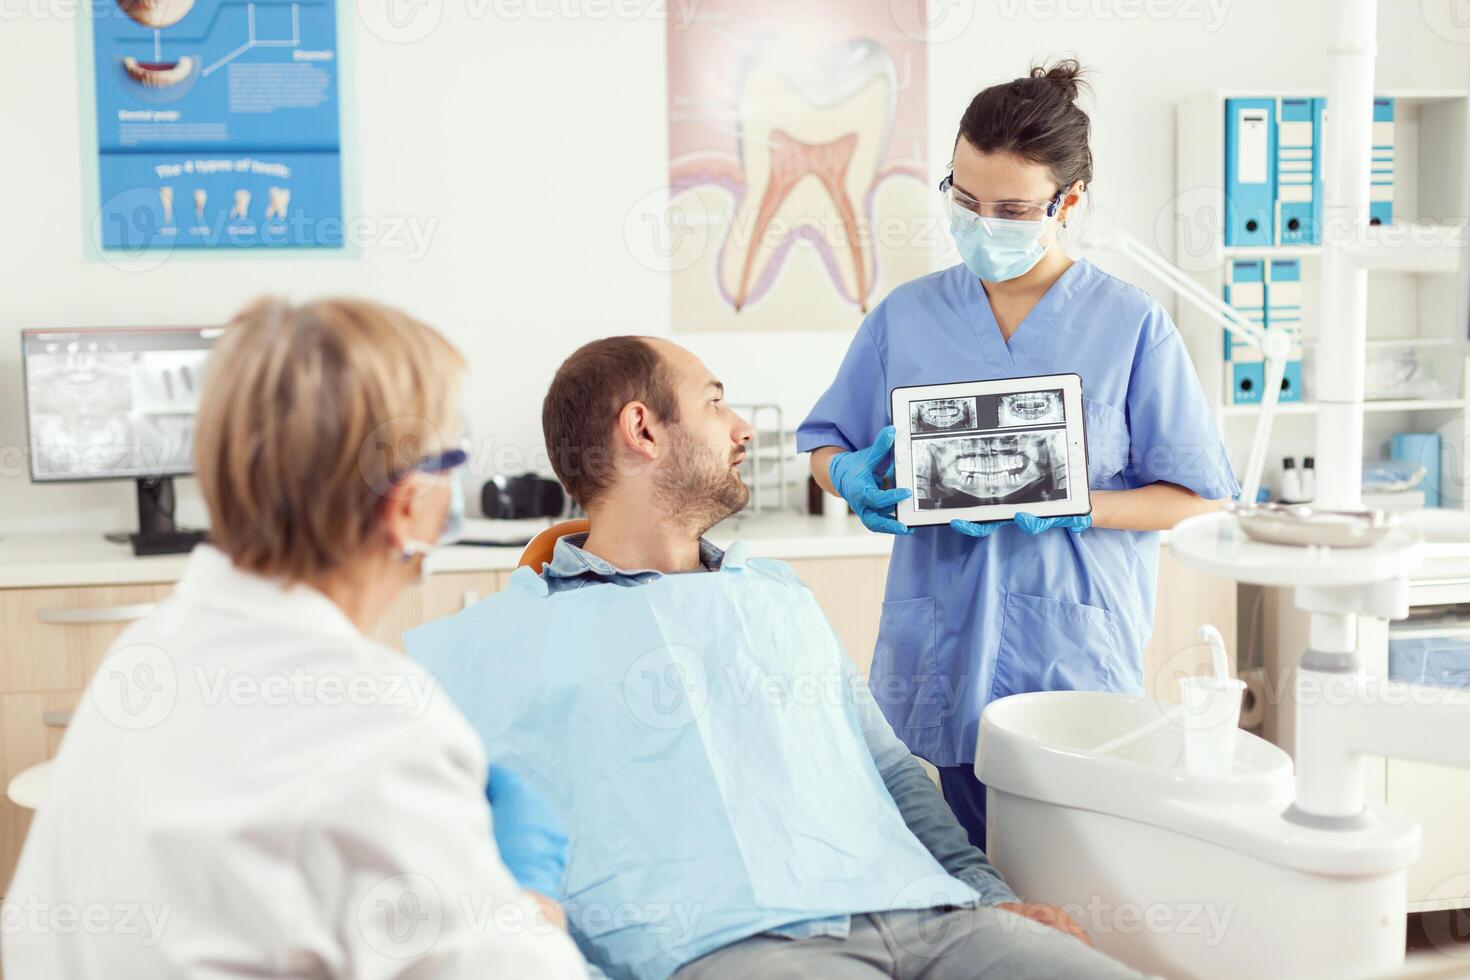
{"x": 798, "y": 189}
{"x": 217, "y": 124}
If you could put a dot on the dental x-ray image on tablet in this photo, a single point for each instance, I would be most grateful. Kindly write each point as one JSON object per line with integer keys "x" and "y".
{"x": 942, "y": 415}
{"x": 977, "y": 471}
{"x": 1029, "y": 408}
{"x": 987, "y": 450}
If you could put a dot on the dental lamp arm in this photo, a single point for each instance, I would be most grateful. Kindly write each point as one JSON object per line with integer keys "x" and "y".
{"x": 1274, "y": 344}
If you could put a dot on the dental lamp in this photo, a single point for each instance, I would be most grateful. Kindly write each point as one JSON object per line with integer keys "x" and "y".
{"x": 1274, "y": 343}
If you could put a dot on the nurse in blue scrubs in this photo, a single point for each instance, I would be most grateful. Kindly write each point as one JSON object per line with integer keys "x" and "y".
{"x": 976, "y": 612}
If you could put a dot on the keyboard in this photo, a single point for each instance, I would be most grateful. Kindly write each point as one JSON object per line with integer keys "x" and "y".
{"x": 168, "y": 543}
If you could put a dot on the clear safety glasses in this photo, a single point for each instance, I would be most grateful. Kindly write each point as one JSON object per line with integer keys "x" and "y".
{"x": 964, "y": 209}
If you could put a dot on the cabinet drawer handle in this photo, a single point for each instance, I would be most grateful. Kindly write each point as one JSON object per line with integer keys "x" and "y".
{"x": 56, "y": 719}
{"x": 97, "y": 614}
{"x": 1439, "y": 582}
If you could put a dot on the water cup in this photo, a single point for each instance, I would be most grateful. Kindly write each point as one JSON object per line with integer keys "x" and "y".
{"x": 1211, "y": 717}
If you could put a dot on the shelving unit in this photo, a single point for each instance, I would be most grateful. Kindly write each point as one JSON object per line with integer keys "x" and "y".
{"x": 1413, "y": 301}
{"x": 1413, "y": 278}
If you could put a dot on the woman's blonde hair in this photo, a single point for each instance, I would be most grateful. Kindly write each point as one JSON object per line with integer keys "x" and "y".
{"x": 309, "y": 415}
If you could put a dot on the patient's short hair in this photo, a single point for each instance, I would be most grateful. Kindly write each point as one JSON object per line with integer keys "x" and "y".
{"x": 308, "y": 415}
{"x": 583, "y": 403}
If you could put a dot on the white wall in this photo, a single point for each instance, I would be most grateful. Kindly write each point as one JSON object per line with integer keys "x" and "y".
{"x": 523, "y": 132}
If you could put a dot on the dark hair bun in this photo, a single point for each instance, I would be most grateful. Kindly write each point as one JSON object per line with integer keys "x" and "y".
{"x": 1066, "y": 75}
{"x": 1035, "y": 117}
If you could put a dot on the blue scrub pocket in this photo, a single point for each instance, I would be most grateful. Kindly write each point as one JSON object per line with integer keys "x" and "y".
{"x": 1107, "y": 442}
{"x": 1052, "y": 645}
{"x": 907, "y": 684}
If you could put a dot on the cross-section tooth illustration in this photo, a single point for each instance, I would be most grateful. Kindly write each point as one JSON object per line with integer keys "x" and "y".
{"x": 812, "y": 138}
{"x": 156, "y": 13}
{"x": 200, "y": 197}
{"x": 242, "y": 205}
{"x": 280, "y": 197}
{"x": 166, "y": 198}
{"x": 158, "y": 74}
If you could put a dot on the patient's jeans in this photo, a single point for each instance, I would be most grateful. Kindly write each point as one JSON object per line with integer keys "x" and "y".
{"x": 966, "y": 797}
{"x": 979, "y": 943}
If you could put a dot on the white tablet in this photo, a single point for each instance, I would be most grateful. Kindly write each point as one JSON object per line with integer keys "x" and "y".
{"x": 987, "y": 450}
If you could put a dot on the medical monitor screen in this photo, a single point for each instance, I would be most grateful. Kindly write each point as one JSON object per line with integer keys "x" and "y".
{"x": 113, "y": 404}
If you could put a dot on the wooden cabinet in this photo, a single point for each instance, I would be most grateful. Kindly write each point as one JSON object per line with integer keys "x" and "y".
{"x": 850, "y": 592}
{"x": 51, "y": 641}
{"x": 449, "y": 592}
{"x": 1438, "y": 797}
{"x": 437, "y": 596}
{"x": 1186, "y": 600}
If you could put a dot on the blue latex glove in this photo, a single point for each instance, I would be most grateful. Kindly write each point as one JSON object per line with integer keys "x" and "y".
{"x": 1029, "y": 523}
{"x": 528, "y": 831}
{"x": 854, "y": 475}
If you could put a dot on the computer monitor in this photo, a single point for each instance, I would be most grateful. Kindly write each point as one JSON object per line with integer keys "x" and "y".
{"x": 116, "y": 404}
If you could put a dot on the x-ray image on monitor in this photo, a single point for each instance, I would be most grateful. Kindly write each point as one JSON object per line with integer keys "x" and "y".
{"x": 108, "y": 404}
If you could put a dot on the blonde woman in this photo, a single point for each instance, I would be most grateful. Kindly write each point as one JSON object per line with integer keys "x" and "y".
{"x": 251, "y": 786}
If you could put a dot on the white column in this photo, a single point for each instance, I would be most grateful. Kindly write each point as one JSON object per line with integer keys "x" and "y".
{"x": 1344, "y": 301}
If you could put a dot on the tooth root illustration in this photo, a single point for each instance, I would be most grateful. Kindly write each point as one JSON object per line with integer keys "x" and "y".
{"x": 812, "y": 138}
{"x": 242, "y": 205}
{"x": 200, "y": 196}
{"x": 156, "y": 13}
{"x": 166, "y": 198}
{"x": 158, "y": 74}
{"x": 791, "y": 161}
{"x": 280, "y": 197}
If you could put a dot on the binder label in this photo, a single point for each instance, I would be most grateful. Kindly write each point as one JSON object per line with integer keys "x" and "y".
{"x": 1251, "y": 152}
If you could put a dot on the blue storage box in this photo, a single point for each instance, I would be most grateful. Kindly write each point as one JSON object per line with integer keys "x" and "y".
{"x": 1435, "y": 660}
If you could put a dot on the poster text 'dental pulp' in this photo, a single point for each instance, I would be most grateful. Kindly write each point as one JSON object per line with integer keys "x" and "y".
{"x": 217, "y": 123}
{"x": 798, "y": 185}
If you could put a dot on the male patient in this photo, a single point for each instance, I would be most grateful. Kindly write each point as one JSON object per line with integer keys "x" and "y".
{"x": 738, "y": 806}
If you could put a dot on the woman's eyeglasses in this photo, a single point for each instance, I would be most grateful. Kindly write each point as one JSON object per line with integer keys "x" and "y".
{"x": 964, "y": 208}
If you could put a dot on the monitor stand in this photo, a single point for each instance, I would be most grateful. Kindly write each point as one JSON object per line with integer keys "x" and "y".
{"x": 157, "y": 532}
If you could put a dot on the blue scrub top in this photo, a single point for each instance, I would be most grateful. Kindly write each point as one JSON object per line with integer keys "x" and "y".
{"x": 965, "y": 620}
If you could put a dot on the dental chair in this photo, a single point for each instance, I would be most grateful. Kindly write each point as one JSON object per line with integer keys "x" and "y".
{"x": 539, "y": 551}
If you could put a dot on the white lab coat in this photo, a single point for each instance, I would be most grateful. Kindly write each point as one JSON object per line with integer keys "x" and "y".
{"x": 251, "y": 788}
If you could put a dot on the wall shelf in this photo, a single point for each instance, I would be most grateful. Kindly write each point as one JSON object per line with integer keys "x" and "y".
{"x": 1425, "y": 247}
{"x": 1387, "y": 405}
{"x": 1412, "y": 301}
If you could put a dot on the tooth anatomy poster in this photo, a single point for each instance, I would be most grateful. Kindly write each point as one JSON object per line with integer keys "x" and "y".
{"x": 217, "y": 124}
{"x": 798, "y": 184}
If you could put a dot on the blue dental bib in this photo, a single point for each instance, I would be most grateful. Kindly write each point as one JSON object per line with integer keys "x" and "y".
{"x": 698, "y": 732}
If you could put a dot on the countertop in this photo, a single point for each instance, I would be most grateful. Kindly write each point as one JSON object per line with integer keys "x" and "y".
{"x": 73, "y": 558}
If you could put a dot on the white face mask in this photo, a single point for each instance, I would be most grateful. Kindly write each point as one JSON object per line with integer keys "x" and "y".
{"x": 994, "y": 248}
{"x": 998, "y": 250}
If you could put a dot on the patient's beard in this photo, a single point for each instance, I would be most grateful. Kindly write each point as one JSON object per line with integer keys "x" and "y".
{"x": 698, "y": 487}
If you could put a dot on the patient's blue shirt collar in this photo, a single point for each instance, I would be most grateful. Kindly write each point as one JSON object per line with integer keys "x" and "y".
{"x": 572, "y": 567}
